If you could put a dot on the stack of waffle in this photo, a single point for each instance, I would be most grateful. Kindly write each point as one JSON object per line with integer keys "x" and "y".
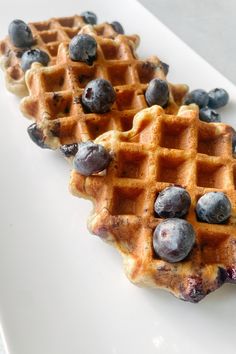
{"x": 151, "y": 148}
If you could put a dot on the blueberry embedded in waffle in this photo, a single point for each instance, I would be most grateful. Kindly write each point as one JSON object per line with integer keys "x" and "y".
{"x": 159, "y": 151}
{"x": 47, "y": 37}
{"x": 54, "y": 100}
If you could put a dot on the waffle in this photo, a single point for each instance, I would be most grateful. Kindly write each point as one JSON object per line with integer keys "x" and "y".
{"x": 159, "y": 151}
{"x": 55, "y": 92}
{"x": 48, "y": 35}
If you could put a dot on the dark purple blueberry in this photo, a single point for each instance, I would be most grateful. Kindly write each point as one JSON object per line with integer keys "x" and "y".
{"x": 192, "y": 289}
{"x": 213, "y": 208}
{"x": 83, "y": 47}
{"x": 117, "y": 27}
{"x": 98, "y": 96}
{"x": 218, "y": 98}
{"x": 208, "y": 115}
{"x": 199, "y": 97}
{"x": 36, "y": 135}
{"x": 32, "y": 56}
{"x": 172, "y": 202}
{"x": 165, "y": 68}
{"x": 173, "y": 239}
{"x": 69, "y": 150}
{"x": 20, "y": 34}
{"x": 157, "y": 93}
{"x": 91, "y": 158}
{"x": 89, "y": 17}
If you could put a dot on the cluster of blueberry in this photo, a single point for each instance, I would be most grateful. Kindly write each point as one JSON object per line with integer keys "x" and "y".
{"x": 21, "y": 36}
{"x": 208, "y": 102}
{"x": 174, "y": 238}
{"x": 84, "y": 48}
{"x": 98, "y": 95}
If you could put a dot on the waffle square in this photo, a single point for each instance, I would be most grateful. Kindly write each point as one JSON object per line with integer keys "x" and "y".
{"x": 162, "y": 150}
{"x": 54, "y": 101}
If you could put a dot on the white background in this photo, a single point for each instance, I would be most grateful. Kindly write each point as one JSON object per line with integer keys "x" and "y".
{"x": 208, "y": 26}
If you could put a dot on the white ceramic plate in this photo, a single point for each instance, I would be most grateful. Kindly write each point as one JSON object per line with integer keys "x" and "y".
{"x": 62, "y": 291}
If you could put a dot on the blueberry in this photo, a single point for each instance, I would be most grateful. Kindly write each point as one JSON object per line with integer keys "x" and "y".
{"x": 173, "y": 239}
{"x": 117, "y": 27}
{"x": 213, "y": 208}
{"x": 36, "y": 135}
{"x": 89, "y": 17}
{"x": 69, "y": 149}
{"x": 83, "y": 47}
{"x": 172, "y": 202}
{"x": 209, "y": 115}
{"x": 157, "y": 93}
{"x": 98, "y": 96}
{"x": 91, "y": 158}
{"x": 218, "y": 98}
{"x": 165, "y": 68}
{"x": 20, "y": 34}
{"x": 199, "y": 96}
{"x": 32, "y": 56}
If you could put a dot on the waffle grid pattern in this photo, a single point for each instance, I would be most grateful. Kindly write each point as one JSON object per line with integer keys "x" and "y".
{"x": 162, "y": 150}
{"x": 48, "y": 36}
{"x": 55, "y": 92}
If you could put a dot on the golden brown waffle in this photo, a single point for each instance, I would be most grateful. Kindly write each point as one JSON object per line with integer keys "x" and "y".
{"x": 48, "y": 36}
{"x": 159, "y": 151}
{"x": 55, "y": 92}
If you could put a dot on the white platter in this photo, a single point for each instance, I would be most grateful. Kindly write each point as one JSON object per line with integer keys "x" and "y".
{"x": 62, "y": 291}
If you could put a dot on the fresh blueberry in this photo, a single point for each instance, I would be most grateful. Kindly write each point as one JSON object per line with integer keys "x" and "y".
{"x": 36, "y": 135}
{"x": 32, "y": 56}
{"x": 69, "y": 150}
{"x": 157, "y": 93}
{"x": 91, "y": 158}
{"x": 213, "y": 208}
{"x": 218, "y": 98}
{"x": 117, "y": 27}
{"x": 209, "y": 115}
{"x": 83, "y": 47}
{"x": 98, "y": 96}
{"x": 165, "y": 68}
{"x": 20, "y": 34}
{"x": 199, "y": 97}
{"x": 89, "y": 17}
{"x": 172, "y": 202}
{"x": 173, "y": 239}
